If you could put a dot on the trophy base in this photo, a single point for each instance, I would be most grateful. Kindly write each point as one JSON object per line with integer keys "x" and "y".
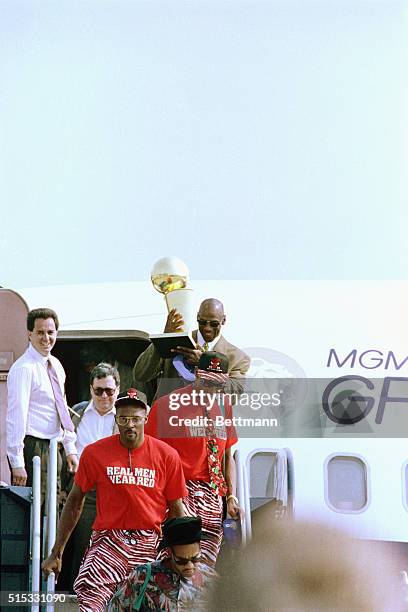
{"x": 164, "y": 343}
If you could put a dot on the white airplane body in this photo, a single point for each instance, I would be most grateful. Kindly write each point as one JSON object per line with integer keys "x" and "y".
{"x": 296, "y": 329}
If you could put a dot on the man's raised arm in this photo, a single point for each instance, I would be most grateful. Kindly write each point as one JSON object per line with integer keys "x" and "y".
{"x": 149, "y": 364}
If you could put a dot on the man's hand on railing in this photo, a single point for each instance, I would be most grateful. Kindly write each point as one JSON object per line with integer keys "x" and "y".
{"x": 73, "y": 462}
{"x": 51, "y": 564}
{"x": 233, "y": 508}
{"x": 18, "y": 477}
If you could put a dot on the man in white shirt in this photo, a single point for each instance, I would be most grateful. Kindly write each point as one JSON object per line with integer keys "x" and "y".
{"x": 97, "y": 417}
{"x": 37, "y": 410}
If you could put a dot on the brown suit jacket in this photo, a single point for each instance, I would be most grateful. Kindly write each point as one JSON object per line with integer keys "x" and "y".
{"x": 150, "y": 366}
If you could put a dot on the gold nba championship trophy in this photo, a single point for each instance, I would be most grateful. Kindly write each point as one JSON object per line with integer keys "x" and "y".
{"x": 170, "y": 277}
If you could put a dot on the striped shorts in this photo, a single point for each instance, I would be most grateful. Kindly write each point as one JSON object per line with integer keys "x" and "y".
{"x": 111, "y": 556}
{"x": 203, "y": 502}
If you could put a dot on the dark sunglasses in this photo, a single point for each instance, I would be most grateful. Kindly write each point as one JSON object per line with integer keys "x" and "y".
{"x": 183, "y": 561}
{"x": 213, "y": 323}
{"x": 99, "y": 391}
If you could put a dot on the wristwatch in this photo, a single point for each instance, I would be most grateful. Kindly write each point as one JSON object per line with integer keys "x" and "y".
{"x": 234, "y": 498}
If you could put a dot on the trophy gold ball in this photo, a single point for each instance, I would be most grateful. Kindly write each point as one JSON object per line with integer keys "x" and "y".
{"x": 170, "y": 277}
{"x": 169, "y": 274}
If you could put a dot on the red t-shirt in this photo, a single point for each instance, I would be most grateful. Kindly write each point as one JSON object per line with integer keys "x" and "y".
{"x": 190, "y": 439}
{"x": 132, "y": 486}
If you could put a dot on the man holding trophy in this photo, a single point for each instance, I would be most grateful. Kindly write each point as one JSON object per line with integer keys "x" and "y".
{"x": 170, "y": 370}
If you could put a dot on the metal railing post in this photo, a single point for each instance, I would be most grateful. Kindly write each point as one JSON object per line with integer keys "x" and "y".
{"x": 36, "y": 534}
{"x": 241, "y": 492}
{"x": 52, "y": 512}
{"x": 247, "y": 502}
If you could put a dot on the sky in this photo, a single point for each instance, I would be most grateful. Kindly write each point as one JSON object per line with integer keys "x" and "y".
{"x": 255, "y": 140}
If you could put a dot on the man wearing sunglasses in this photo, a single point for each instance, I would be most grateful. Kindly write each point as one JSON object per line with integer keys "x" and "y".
{"x": 136, "y": 478}
{"x": 172, "y": 373}
{"x": 175, "y": 582}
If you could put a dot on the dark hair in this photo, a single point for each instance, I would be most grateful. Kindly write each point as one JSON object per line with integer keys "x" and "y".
{"x": 41, "y": 313}
{"x": 102, "y": 370}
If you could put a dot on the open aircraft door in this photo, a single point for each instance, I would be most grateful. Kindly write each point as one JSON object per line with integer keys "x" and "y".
{"x": 79, "y": 351}
{"x": 268, "y": 487}
{"x": 13, "y": 343}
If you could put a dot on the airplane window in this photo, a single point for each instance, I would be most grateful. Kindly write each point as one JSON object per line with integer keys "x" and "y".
{"x": 261, "y": 474}
{"x": 346, "y": 484}
{"x": 268, "y": 479}
{"x": 406, "y": 486}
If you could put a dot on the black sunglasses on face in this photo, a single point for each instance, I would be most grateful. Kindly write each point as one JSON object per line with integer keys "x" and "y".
{"x": 99, "y": 391}
{"x": 213, "y": 323}
{"x": 183, "y": 561}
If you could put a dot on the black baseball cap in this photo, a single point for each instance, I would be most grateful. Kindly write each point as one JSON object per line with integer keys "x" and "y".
{"x": 181, "y": 530}
{"x": 211, "y": 361}
{"x": 132, "y": 396}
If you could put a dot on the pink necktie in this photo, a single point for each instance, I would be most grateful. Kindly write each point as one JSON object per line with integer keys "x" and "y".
{"x": 59, "y": 400}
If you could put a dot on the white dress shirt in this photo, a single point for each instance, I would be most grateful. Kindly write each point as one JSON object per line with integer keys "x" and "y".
{"x": 211, "y": 344}
{"x": 94, "y": 426}
{"x": 31, "y": 408}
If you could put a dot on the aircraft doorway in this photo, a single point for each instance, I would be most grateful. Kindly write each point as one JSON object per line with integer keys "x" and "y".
{"x": 80, "y": 351}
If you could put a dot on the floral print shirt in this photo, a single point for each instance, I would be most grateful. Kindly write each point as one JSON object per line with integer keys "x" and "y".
{"x": 166, "y": 590}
